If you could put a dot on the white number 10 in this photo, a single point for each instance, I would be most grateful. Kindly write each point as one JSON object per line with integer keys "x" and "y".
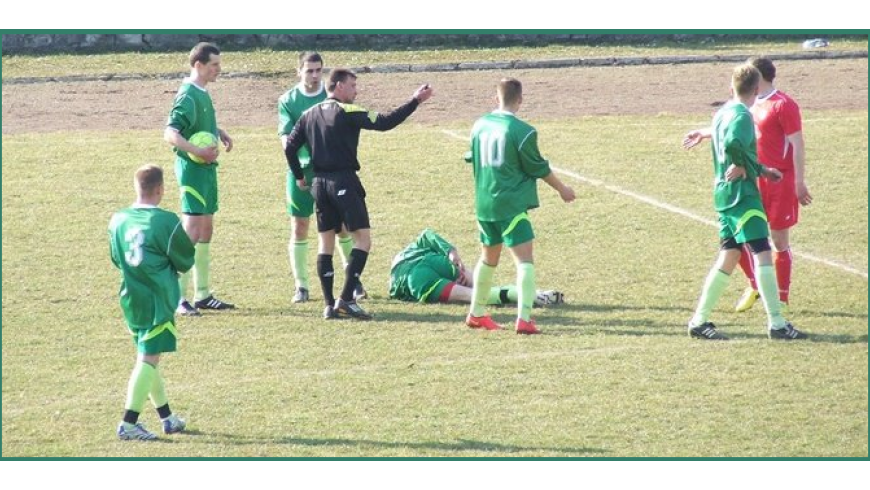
{"x": 491, "y": 149}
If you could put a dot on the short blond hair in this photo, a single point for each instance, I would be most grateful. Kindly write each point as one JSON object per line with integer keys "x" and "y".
{"x": 510, "y": 90}
{"x": 148, "y": 179}
{"x": 745, "y": 79}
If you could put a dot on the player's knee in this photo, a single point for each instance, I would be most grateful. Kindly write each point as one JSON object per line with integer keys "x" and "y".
{"x": 759, "y": 246}
{"x": 780, "y": 244}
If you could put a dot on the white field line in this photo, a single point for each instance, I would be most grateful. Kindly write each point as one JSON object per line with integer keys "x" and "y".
{"x": 673, "y": 209}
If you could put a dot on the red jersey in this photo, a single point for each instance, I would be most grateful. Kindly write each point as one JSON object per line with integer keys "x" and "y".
{"x": 776, "y": 116}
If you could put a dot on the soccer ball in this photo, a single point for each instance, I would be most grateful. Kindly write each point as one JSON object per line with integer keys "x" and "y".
{"x": 202, "y": 139}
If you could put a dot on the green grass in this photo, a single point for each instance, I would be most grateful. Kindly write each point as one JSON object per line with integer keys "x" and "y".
{"x": 282, "y": 61}
{"x": 613, "y": 376}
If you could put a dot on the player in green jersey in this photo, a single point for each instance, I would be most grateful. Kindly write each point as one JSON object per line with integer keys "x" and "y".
{"x": 430, "y": 270}
{"x": 309, "y": 92}
{"x": 741, "y": 215}
{"x": 150, "y": 247}
{"x": 507, "y": 163}
{"x": 193, "y": 112}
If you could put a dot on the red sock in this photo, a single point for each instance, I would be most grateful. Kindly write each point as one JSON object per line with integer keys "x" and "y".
{"x": 748, "y": 266}
{"x": 445, "y": 293}
{"x": 782, "y": 261}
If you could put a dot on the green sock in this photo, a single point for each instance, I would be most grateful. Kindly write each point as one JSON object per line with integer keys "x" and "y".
{"x": 500, "y": 295}
{"x": 480, "y": 293}
{"x": 158, "y": 390}
{"x": 345, "y": 245}
{"x": 299, "y": 262}
{"x": 201, "y": 266}
{"x": 525, "y": 290}
{"x": 765, "y": 276}
{"x": 141, "y": 381}
{"x": 183, "y": 282}
{"x": 714, "y": 286}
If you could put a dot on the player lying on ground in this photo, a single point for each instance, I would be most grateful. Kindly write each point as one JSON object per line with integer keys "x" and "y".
{"x": 429, "y": 270}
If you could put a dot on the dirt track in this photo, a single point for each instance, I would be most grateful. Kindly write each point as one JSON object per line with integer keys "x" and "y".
{"x": 460, "y": 96}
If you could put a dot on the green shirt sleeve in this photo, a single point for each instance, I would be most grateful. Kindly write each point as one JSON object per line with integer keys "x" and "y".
{"x": 740, "y": 143}
{"x": 183, "y": 113}
{"x": 531, "y": 161}
{"x": 179, "y": 248}
{"x": 285, "y": 119}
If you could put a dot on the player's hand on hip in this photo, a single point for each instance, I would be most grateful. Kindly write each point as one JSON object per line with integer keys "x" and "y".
{"x": 772, "y": 174}
{"x": 303, "y": 186}
{"x": 735, "y": 172}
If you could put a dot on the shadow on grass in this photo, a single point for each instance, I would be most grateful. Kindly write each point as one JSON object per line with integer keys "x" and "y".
{"x": 459, "y": 446}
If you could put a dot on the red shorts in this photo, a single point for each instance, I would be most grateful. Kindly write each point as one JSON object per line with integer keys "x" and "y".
{"x": 780, "y": 201}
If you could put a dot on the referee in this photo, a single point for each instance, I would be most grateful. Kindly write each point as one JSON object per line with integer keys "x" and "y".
{"x": 331, "y": 130}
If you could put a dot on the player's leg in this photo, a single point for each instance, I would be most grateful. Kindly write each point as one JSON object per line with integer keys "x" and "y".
{"x": 783, "y": 212}
{"x": 345, "y": 246}
{"x": 163, "y": 341}
{"x": 150, "y": 343}
{"x": 782, "y": 261}
{"x": 520, "y": 238}
{"x": 300, "y": 207}
{"x": 716, "y": 282}
{"x": 328, "y": 221}
{"x": 202, "y": 192}
{"x": 750, "y": 294}
{"x": 491, "y": 245}
{"x": 355, "y": 216}
{"x": 755, "y": 233}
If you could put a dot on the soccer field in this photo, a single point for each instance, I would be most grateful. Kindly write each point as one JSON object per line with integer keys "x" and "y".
{"x": 614, "y": 374}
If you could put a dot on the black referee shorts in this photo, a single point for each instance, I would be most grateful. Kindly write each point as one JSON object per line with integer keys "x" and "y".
{"x": 339, "y": 198}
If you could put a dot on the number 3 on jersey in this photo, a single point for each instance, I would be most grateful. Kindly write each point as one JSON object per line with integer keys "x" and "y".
{"x": 491, "y": 149}
{"x": 135, "y": 239}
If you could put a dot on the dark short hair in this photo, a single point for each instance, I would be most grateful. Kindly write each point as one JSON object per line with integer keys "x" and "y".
{"x": 309, "y": 57}
{"x": 148, "y": 178}
{"x": 202, "y": 52}
{"x": 338, "y": 75}
{"x": 765, "y": 66}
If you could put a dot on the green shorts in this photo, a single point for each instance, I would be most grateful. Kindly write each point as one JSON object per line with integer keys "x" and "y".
{"x": 512, "y": 232}
{"x": 155, "y": 340}
{"x": 300, "y": 203}
{"x": 198, "y": 186}
{"x": 429, "y": 277}
{"x": 745, "y": 222}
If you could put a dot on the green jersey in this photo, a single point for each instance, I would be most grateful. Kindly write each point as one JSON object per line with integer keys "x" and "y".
{"x": 150, "y": 247}
{"x": 427, "y": 244}
{"x": 733, "y": 135}
{"x": 507, "y": 162}
{"x": 191, "y": 113}
{"x": 291, "y": 105}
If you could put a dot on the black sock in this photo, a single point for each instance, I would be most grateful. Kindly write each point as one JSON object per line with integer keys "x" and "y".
{"x": 131, "y": 417}
{"x": 327, "y": 275}
{"x": 503, "y": 296}
{"x": 164, "y": 411}
{"x": 355, "y": 265}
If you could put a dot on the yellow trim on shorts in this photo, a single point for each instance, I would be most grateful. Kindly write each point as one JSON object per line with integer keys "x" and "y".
{"x": 193, "y": 192}
{"x": 427, "y": 293}
{"x": 515, "y": 222}
{"x": 159, "y": 330}
{"x": 752, "y": 213}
